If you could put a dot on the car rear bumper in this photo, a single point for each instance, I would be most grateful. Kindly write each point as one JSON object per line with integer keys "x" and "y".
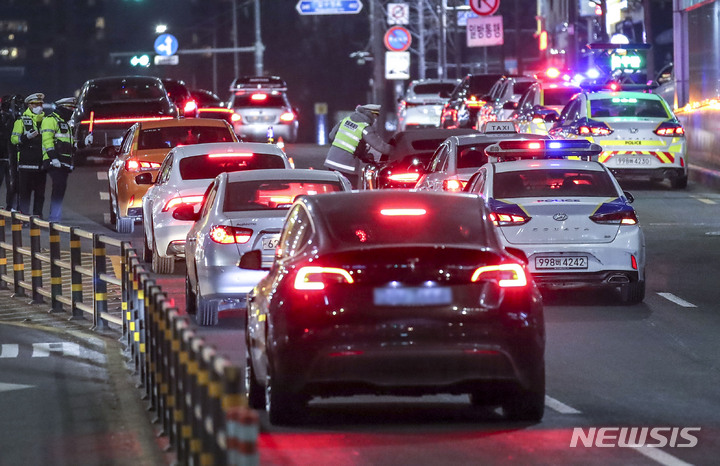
{"x": 258, "y": 132}
{"x": 227, "y": 281}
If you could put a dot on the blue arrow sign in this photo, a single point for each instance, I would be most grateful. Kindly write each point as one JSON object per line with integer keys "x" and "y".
{"x": 329, "y": 7}
{"x": 166, "y": 45}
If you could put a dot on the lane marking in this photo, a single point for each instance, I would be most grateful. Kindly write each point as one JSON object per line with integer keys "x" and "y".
{"x": 8, "y": 350}
{"x": 7, "y": 387}
{"x": 102, "y": 176}
{"x": 559, "y": 406}
{"x": 679, "y": 301}
{"x": 104, "y": 196}
{"x": 656, "y": 454}
{"x": 703, "y": 200}
{"x": 43, "y": 350}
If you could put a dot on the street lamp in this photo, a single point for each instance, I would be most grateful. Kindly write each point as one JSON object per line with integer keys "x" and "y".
{"x": 160, "y": 28}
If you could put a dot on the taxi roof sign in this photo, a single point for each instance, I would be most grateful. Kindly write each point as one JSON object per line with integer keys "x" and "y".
{"x": 494, "y": 127}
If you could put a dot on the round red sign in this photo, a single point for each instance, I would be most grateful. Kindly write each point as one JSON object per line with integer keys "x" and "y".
{"x": 398, "y": 39}
{"x": 484, "y": 7}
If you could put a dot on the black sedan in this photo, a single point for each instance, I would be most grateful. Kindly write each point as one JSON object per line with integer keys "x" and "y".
{"x": 393, "y": 293}
{"x": 405, "y": 164}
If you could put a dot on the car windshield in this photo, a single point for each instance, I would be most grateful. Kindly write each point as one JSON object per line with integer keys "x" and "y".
{"x": 172, "y": 136}
{"x": 271, "y": 194}
{"x": 124, "y": 90}
{"x": 428, "y": 221}
{"x": 433, "y": 88}
{"x": 258, "y": 99}
{"x": 559, "y": 95}
{"x": 627, "y": 107}
{"x": 209, "y": 166}
{"x": 553, "y": 182}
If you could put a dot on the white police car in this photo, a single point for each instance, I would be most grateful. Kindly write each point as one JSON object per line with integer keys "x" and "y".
{"x": 569, "y": 219}
{"x": 458, "y": 157}
{"x": 639, "y": 134}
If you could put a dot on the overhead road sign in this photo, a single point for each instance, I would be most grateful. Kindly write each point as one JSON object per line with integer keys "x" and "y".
{"x": 166, "y": 45}
{"x": 485, "y": 7}
{"x": 329, "y": 7}
{"x": 398, "y": 39}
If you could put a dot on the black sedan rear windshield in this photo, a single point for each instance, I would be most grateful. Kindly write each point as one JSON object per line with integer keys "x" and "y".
{"x": 124, "y": 90}
{"x": 172, "y": 136}
{"x": 266, "y": 194}
{"x": 433, "y": 88}
{"x": 444, "y": 221}
{"x": 211, "y": 165}
{"x": 553, "y": 182}
{"x": 258, "y": 99}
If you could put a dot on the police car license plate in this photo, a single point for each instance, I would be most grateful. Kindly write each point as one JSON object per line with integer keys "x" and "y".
{"x": 412, "y": 296}
{"x": 632, "y": 160}
{"x": 561, "y": 262}
{"x": 271, "y": 242}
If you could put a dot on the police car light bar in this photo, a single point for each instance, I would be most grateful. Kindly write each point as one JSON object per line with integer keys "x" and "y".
{"x": 543, "y": 149}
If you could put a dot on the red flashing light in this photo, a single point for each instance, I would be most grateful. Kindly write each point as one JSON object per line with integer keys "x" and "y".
{"x": 614, "y": 87}
{"x": 506, "y": 275}
{"x": 190, "y": 107}
{"x": 226, "y": 234}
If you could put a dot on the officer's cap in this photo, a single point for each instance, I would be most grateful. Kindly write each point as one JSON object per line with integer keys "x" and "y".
{"x": 70, "y": 102}
{"x": 374, "y": 108}
{"x": 36, "y": 98}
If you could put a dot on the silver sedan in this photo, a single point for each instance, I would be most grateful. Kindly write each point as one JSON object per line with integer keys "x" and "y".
{"x": 242, "y": 211}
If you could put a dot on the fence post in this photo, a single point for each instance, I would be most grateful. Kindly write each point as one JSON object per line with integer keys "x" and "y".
{"x": 76, "y": 291}
{"x": 3, "y": 255}
{"x": 18, "y": 264}
{"x": 55, "y": 270}
{"x": 35, "y": 262}
{"x": 99, "y": 284}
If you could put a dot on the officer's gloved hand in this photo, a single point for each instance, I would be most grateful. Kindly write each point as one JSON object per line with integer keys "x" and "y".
{"x": 31, "y": 134}
{"x": 89, "y": 140}
{"x": 55, "y": 163}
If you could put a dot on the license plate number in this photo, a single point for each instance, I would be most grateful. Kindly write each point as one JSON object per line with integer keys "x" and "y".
{"x": 632, "y": 160}
{"x": 413, "y": 296}
{"x": 561, "y": 262}
{"x": 271, "y": 242}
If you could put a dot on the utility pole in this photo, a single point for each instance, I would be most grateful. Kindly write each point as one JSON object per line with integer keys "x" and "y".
{"x": 259, "y": 47}
{"x": 421, "y": 38}
{"x": 442, "y": 51}
{"x": 235, "y": 38}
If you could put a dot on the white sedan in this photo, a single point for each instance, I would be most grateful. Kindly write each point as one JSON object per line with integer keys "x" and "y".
{"x": 569, "y": 219}
{"x": 183, "y": 178}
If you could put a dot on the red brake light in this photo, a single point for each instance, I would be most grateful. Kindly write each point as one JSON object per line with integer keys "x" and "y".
{"x": 176, "y": 201}
{"x": 258, "y": 97}
{"x": 670, "y": 130}
{"x": 190, "y": 106}
{"x": 473, "y": 102}
{"x": 287, "y": 117}
{"x": 226, "y": 234}
{"x": 402, "y": 212}
{"x": 230, "y": 154}
{"x": 453, "y": 185}
{"x": 133, "y": 165}
{"x": 405, "y": 177}
{"x": 502, "y": 219}
{"x": 236, "y": 118}
{"x": 594, "y": 130}
{"x": 626, "y": 217}
{"x": 316, "y": 278}
{"x": 506, "y": 275}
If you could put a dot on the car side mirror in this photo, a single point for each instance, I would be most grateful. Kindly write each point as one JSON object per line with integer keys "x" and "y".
{"x": 144, "y": 178}
{"x": 185, "y": 212}
{"x": 629, "y": 196}
{"x": 251, "y": 260}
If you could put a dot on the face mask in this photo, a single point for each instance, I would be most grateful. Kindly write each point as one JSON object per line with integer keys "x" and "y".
{"x": 37, "y": 110}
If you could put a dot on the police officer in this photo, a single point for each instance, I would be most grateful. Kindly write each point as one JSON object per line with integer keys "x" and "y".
{"x": 350, "y": 140}
{"x": 26, "y": 136}
{"x": 57, "y": 145}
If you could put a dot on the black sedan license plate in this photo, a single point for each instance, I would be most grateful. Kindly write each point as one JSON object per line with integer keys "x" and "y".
{"x": 561, "y": 262}
{"x": 412, "y": 296}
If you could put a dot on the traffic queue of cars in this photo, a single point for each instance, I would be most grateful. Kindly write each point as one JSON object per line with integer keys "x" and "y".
{"x": 429, "y": 279}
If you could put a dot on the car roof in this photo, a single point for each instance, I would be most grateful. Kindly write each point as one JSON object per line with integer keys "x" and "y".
{"x": 123, "y": 78}
{"x": 183, "y": 122}
{"x": 544, "y": 164}
{"x": 283, "y": 174}
{"x": 254, "y": 147}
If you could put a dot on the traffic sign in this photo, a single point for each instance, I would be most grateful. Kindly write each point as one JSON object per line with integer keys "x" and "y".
{"x": 166, "y": 45}
{"x": 398, "y": 13}
{"x": 484, "y": 7}
{"x": 398, "y": 39}
{"x": 397, "y": 65}
{"x": 329, "y": 7}
{"x": 485, "y": 31}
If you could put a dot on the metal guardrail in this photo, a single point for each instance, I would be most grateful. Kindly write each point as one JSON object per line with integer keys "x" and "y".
{"x": 197, "y": 394}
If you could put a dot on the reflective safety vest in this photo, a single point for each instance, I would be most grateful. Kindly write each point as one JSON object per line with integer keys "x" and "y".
{"x": 57, "y": 136}
{"x": 30, "y": 154}
{"x": 349, "y": 135}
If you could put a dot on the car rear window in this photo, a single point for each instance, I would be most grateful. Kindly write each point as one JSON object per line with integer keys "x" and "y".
{"x": 114, "y": 91}
{"x": 172, "y": 136}
{"x": 209, "y": 166}
{"x": 521, "y": 87}
{"x": 258, "y": 99}
{"x": 481, "y": 84}
{"x": 265, "y": 194}
{"x": 433, "y": 88}
{"x": 627, "y": 107}
{"x": 559, "y": 95}
{"x": 553, "y": 182}
{"x": 440, "y": 221}
{"x": 472, "y": 156}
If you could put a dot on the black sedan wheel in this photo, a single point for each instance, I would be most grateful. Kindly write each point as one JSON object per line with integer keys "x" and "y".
{"x": 253, "y": 391}
{"x": 282, "y": 405}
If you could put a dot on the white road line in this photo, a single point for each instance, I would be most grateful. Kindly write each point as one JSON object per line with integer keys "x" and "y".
{"x": 9, "y": 350}
{"x": 679, "y": 301}
{"x": 104, "y": 196}
{"x": 656, "y": 454}
{"x": 102, "y": 175}
{"x": 559, "y": 406}
{"x": 705, "y": 201}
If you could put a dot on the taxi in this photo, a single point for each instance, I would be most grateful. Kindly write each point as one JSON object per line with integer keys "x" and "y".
{"x": 639, "y": 134}
{"x": 459, "y": 156}
{"x": 569, "y": 219}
